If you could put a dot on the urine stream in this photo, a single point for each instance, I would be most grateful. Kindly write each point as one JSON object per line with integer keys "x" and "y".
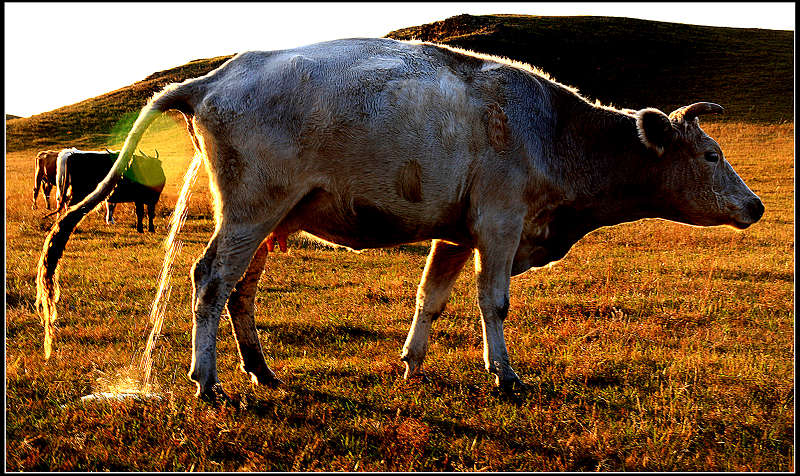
{"x": 137, "y": 380}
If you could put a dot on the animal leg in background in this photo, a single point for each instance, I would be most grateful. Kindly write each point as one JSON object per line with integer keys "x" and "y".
{"x": 443, "y": 266}
{"x": 151, "y": 214}
{"x": 110, "y": 212}
{"x": 46, "y": 187}
{"x": 140, "y": 217}
{"x": 241, "y": 307}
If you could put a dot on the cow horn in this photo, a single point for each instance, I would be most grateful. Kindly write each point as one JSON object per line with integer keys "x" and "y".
{"x": 688, "y": 113}
{"x": 143, "y": 154}
{"x": 156, "y": 153}
{"x": 106, "y": 149}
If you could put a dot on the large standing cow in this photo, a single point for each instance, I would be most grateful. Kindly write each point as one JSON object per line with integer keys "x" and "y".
{"x": 44, "y": 175}
{"x": 79, "y": 172}
{"x": 375, "y": 142}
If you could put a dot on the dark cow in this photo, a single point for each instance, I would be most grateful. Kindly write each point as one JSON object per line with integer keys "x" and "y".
{"x": 45, "y": 175}
{"x": 79, "y": 172}
{"x": 375, "y": 142}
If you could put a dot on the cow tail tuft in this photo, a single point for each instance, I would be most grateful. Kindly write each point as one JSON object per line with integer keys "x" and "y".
{"x": 47, "y": 288}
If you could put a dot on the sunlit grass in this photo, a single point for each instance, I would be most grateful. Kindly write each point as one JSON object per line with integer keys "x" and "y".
{"x": 650, "y": 346}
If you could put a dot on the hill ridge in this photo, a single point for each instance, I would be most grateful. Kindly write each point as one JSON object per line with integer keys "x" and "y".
{"x": 637, "y": 63}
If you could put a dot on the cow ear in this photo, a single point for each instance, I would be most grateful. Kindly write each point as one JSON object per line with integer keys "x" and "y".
{"x": 655, "y": 129}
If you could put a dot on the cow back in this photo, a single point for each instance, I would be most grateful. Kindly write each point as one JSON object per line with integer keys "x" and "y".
{"x": 85, "y": 171}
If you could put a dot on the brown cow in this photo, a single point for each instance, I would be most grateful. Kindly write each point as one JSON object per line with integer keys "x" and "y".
{"x": 45, "y": 175}
{"x": 374, "y": 142}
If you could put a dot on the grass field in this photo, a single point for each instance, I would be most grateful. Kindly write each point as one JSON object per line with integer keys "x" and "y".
{"x": 650, "y": 346}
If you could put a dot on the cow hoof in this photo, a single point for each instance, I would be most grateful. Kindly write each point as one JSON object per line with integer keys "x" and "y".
{"x": 511, "y": 386}
{"x": 420, "y": 375}
{"x": 215, "y": 395}
{"x": 414, "y": 370}
{"x": 268, "y": 380}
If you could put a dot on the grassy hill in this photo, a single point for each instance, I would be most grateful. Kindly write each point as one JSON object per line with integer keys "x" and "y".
{"x": 626, "y": 62}
{"x": 638, "y": 63}
{"x": 101, "y": 120}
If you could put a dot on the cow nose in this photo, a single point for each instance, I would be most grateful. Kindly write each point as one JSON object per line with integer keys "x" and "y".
{"x": 755, "y": 209}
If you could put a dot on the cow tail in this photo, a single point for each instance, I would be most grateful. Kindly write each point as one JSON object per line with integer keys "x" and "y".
{"x": 174, "y": 96}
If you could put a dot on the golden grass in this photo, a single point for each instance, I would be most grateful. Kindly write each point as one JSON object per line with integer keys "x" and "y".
{"x": 650, "y": 346}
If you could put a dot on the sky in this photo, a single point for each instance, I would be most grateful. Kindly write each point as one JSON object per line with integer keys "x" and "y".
{"x": 58, "y": 54}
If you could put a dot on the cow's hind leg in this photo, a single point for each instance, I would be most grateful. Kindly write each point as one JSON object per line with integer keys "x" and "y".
{"x": 151, "y": 214}
{"x": 140, "y": 217}
{"x": 445, "y": 262}
{"x": 241, "y": 307}
{"x": 46, "y": 188}
{"x": 213, "y": 277}
{"x": 37, "y": 182}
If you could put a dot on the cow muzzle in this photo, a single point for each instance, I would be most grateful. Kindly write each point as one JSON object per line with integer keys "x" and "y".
{"x": 751, "y": 212}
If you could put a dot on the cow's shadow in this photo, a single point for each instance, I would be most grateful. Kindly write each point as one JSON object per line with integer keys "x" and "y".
{"x": 289, "y": 333}
{"x": 387, "y": 413}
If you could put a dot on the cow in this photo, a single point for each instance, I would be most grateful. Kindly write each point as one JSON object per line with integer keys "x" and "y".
{"x": 44, "y": 175}
{"x": 371, "y": 143}
{"x": 78, "y": 173}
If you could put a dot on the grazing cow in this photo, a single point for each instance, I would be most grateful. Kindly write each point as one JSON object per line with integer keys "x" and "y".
{"x": 374, "y": 142}
{"x": 81, "y": 171}
{"x": 45, "y": 175}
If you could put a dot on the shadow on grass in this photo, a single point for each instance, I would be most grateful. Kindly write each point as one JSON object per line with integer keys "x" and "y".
{"x": 16, "y": 299}
{"x": 290, "y": 334}
{"x": 343, "y": 407}
{"x": 743, "y": 275}
{"x": 419, "y": 250}
{"x": 299, "y": 288}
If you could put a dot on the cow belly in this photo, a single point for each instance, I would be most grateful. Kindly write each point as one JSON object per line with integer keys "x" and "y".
{"x": 367, "y": 225}
{"x": 129, "y": 192}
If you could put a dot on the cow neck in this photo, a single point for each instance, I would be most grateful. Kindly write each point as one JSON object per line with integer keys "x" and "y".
{"x": 608, "y": 176}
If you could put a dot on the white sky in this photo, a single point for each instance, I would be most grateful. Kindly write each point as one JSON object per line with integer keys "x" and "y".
{"x": 61, "y": 53}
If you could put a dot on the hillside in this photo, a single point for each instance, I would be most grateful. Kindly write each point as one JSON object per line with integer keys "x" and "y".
{"x": 638, "y": 63}
{"x": 622, "y": 61}
{"x": 100, "y": 120}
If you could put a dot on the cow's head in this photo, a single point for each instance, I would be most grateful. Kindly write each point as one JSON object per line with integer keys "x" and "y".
{"x": 697, "y": 185}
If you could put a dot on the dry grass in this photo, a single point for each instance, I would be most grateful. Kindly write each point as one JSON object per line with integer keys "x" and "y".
{"x": 651, "y": 346}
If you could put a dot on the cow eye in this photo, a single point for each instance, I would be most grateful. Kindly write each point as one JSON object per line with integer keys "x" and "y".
{"x": 712, "y": 156}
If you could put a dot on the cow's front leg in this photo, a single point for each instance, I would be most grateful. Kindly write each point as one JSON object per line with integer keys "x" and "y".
{"x": 493, "y": 261}
{"x": 241, "y": 307}
{"x": 444, "y": 264}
